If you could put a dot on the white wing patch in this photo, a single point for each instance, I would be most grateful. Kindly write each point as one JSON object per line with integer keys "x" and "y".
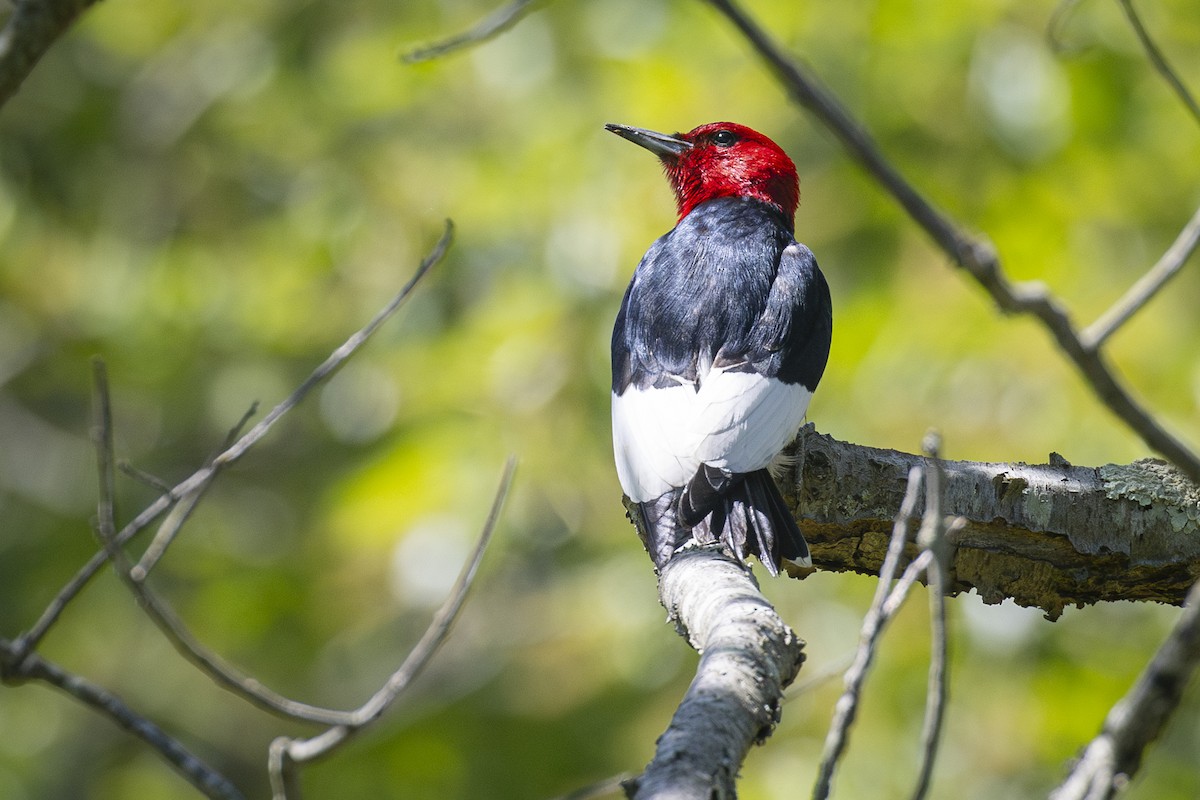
{"x": 737, "y": 421}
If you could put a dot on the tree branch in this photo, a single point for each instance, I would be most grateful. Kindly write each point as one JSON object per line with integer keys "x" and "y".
{"x": 32, "y": 666}
{"x": 287, "y": 753}
{"x": 1159, "y": 60}
{"x": 487, "y": 28}
{"x": 198, "y": 482}
{"x": 975, "y": 255}
{"x": 1146, "y": 287}
{"x": 874, "y": 622}
{"x": 1113, "y": 757}
{"x": 1048, "y": 535}
{"x": 748, "y": 655}
{"x": 33, "y": 27}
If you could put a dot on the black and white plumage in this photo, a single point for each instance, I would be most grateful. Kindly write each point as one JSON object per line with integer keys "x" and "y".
{"x": 721, "y": 339}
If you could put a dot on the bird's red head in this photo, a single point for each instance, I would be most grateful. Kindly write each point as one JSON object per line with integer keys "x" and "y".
{"x": 721, "y": 159}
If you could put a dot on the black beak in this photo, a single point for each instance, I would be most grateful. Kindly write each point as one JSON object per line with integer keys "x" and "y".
{"x": 660, "y": 144}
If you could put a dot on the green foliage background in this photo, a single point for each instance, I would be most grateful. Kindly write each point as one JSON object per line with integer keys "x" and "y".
{"x": 212, "y": 196}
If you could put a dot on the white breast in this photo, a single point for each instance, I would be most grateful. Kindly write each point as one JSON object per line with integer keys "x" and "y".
{"x": 737, "y": 421}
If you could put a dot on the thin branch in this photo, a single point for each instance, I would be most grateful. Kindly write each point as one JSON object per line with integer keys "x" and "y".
{"x": 28, "y": 33}
{"x": 1159, "y": 60}
{"x": 158, "y": 611}
{"x": 1146, "y": 287}
{"x": 141, "y": 476}
{"x": 489, "y": 27}
{"x": 102, "y": 439}
{"x": 221, "y": 673}
{"x": 167, "y": 531}
{"x": 182, "y": 511}
{"x": 338, "y": 357}
{"x": 207, "y": 780}
{"x": 874, "y": 622}
{"x": 1113, "y": 757}
{"x": 908, "y": 579}
{"x": 201, "y": 478}
{"x": 932, "y": 538}
{"x": 601, "y": 788}
{"x": 1055, "y": 29}
{"x": 287, "y": 753}
{"x": 240, "y": 426}
{"x": 830, "y": 672}
{"x": 977, "y": 256}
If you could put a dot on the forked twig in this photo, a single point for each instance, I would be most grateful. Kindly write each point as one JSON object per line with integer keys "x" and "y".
{"x": 932, "y": 564}
{"x": 932, "y": 539}
{"x": 199, "y": 774}
{"x": 200, "y": 479}
{"x": 873, "y": 624}
{"x": 287, "y": 753}
{"x": 159, "y": 612}
{"x": 182, "y": 511}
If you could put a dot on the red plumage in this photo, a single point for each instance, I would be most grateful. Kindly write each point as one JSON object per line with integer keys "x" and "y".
{"x": 752, "y": 167}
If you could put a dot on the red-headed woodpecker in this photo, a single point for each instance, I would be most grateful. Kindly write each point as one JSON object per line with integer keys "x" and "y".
{"x": 719, "y": 344}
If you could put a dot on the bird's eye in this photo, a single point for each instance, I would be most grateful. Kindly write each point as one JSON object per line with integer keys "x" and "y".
{"x": 724, "y": 138}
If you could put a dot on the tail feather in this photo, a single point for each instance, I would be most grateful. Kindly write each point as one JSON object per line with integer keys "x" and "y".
{"x": 704, "y": 493}
{"x": 660, "y": 529}
{"x": 745, "y": 512}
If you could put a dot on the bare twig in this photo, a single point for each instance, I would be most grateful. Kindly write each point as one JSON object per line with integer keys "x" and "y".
{"x": 286, "y": 753}
{"x": 814, "y": 678}
{"x": 490, "y": 26}
{"x": 873, "y": 625}
{"x": 158, "y": 611}
{"x": 932, "y": 538}
{"x": 203, "y": 777}
{"x": 1146, "y": 287}
{"x": 1058, "y": 22}
{"x": 1159, "y": 60}
{"x": 932, "y": 564}
{"x": 207, "y": 780}
{"x": 200, "y": 479}
{"x": 28, "y": 33}
{"x": 182, "y": 511}
{"x": 911, "y": 576}
{"x": 338, "y": 357}
{"x": 601, "y": 788}
{"x": 102, "y": 439}
{"x": 141, "y": 476}
{"x": 1113, "y": 757}
{"x": 167, "y": 531}
{"x": 975, "y": 255}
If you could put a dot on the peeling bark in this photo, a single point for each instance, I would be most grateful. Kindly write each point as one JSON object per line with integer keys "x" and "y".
{"x": 1045, "y": 535}
{"x": 748, "y": 656}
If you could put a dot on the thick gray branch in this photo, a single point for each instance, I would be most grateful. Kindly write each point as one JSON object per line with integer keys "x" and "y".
{"x": 1046, "y": 535}
{"x": 747, "y": 657}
